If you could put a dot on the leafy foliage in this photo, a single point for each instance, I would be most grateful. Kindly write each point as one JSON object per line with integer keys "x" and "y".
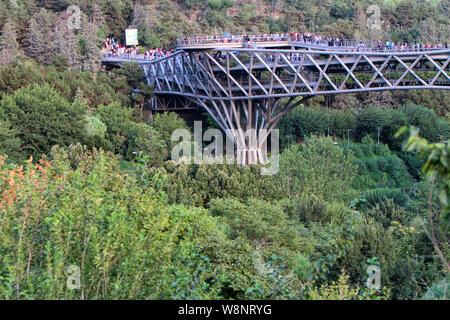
{"x": 319, "y": 167}
{"x": 436, "y": 168}
{"x": 42, "y": 119}
{"x": 192, "y": 184}
{"x": 114, "y": 230}
{"x": 99, "y": 193}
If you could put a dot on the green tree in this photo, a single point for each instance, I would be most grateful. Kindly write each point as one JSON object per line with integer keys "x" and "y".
{"x": 118, "y": 121}
{"x": 145, "y": 141}
{"x": 319, "y": 167}
{"x": 294, "y": 20}
{"x": 40, "y": 34}
{"x": 90, "y": 46}
{"x": 145, "y": 92}
{"x": 9, "y": 142}
{"x": 166, "y": 123}
{"x": 370, "y": 121}
{"x": 42, "y": 118}
{"x": 437, "y": 169}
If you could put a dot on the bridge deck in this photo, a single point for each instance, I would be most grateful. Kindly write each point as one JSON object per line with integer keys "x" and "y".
{"x": 228, "y": 72}
{"x": 439, "y": 54}
{"x": 238, "y": 44}
{"x": 346, "y": 46}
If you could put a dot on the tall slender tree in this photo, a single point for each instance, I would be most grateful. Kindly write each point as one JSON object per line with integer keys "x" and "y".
{"x": 90, "y": 49}
{"x": 9, "y": 47}
{"x": 65, "y": 43}
{"x": 40, "y": 35}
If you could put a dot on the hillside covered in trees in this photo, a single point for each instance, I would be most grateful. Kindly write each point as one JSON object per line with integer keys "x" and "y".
{"x": 87, "y": 180}
{"x": 42, "y": 34}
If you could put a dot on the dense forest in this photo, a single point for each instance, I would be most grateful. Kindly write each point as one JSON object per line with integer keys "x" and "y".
{"x": 86, "y": 177}
{"x": 41, "y": 32}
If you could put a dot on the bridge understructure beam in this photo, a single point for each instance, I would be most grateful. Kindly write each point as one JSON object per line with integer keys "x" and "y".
{"x": 171, "y": 103}
{"x": 242, "y": 89}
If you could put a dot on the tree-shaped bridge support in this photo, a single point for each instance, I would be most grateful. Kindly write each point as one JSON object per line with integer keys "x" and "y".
{"x": 249, "y": 123}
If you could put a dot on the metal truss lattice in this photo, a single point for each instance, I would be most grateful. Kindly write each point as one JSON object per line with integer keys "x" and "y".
{"x": 241, "y": 89}
{"x": 242, "y": 74}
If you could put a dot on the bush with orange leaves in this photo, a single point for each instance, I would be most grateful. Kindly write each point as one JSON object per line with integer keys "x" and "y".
{"x": 127, "y": 242}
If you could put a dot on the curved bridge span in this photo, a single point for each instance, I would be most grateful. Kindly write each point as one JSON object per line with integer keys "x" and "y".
{"x": 241, "y": 88}
{"x": 242, "y": 74}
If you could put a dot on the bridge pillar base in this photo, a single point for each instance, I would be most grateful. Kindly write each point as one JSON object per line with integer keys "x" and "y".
{"x": 249, "y": 155}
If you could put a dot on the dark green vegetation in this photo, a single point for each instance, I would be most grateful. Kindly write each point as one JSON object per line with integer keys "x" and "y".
{"x": 101, "y": 193}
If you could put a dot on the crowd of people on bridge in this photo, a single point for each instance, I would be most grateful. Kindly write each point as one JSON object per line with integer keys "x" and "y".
{"x": 313, "y": 39}
{"x": 113, "y": 48}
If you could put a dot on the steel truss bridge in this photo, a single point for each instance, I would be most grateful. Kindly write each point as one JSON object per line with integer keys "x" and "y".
{"x": 242, "y": 89}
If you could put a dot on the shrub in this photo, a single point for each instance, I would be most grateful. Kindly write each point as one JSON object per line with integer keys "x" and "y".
{"x": 192, "y": 184}
{"x": 145, "y": 141}
{"x": 386, "y": 212}
{"x": 319, "y": 167}
{"x": 42, "y": 118}
{"x": 257, "y": 221}
{"x": 124, "y": 238}
{"x": 382, "y": 195}
{"x": 395, "y": 251}
{"x": 412, "y": 162}
{"x": 266, "y": 226}
{"x": 118, "y": 122}
{"x": 381, "y": 172}
{"x": 342, "y": 290}
{"x": 369, "y": 121}
{"x": 310, "y": 208}
{"x": 166, "y": 123}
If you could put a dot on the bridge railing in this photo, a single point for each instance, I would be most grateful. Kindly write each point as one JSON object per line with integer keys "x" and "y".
{"x": 312, "y": 49}
{"x": 350, "y": 46}
{"x": 258, "y": 38}
{"x": 138, "y": 58}
{"x": 208, "y": 40}
{"x": 342, "y": 44}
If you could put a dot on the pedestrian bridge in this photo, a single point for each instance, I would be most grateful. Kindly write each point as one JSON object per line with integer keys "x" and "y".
{"x": 241, "y": 85}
